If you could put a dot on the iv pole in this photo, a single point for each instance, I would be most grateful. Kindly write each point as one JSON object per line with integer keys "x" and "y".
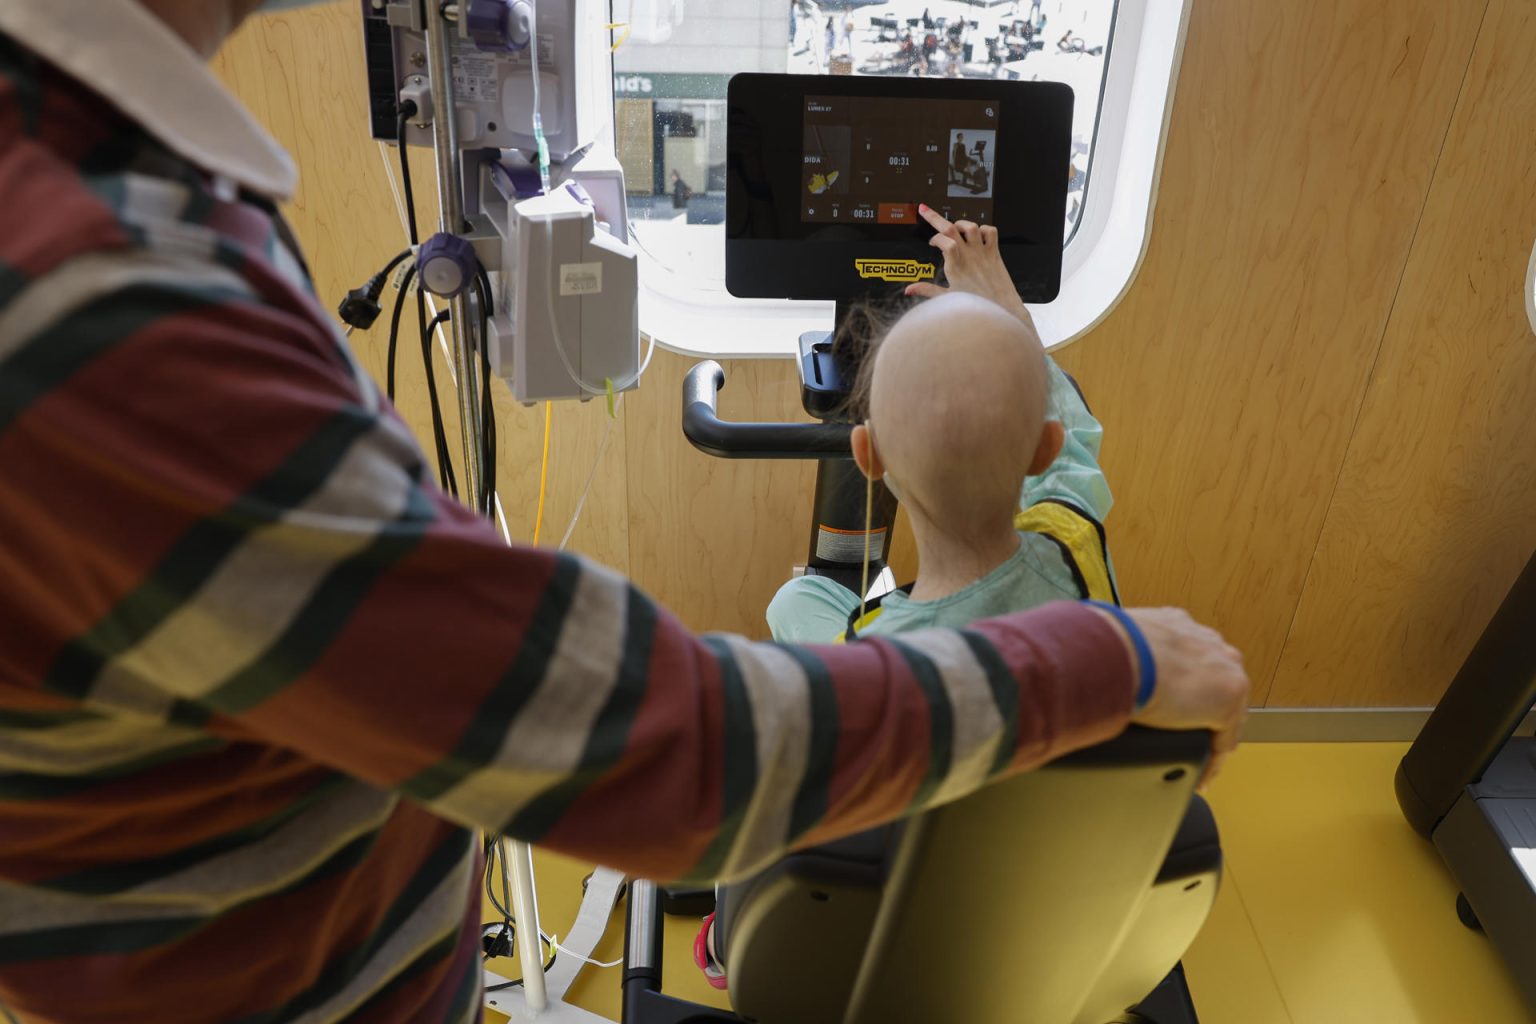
{"x": 445, "y": 146}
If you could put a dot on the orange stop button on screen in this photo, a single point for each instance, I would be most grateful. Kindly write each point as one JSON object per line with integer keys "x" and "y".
{"x": 897, "y": 213}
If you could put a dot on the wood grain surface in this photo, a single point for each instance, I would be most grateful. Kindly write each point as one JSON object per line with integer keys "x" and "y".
{"x": 1317, "y": 395}
{"x": 1301, "y": 150}
{"x": 1435, "y": 511}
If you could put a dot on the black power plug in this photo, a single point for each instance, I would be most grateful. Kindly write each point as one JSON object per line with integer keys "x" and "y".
{"x": 360, "y": 308}
{"x": 496, "y": 940}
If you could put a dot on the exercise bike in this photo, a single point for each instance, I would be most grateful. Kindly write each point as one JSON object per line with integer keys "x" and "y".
{"x": 1065, "y": 895}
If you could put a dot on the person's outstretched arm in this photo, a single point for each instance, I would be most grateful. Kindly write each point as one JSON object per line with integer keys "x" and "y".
{"x": 1075, "y": 476}
{"x": 208, "y": 515}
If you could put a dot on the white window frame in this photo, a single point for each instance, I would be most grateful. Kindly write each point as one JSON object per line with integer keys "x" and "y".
{"x": 1099, "y": 262}
{"x": 1530, "y": 291}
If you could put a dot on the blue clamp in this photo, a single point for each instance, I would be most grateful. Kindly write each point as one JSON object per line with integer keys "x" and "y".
{"x": 446, "y": 264}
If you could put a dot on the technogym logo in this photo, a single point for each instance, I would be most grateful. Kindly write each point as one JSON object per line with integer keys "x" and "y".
{"x": 895, "y": 271}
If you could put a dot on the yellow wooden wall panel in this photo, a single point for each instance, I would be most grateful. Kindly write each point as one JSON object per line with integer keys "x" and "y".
{"x": 584, "y": 444}
{"x": 710, "y": 538}
{"x": 1300, "y": 151}
{"x": 1435, "y": 513}
{"x": 1302, "y": 148}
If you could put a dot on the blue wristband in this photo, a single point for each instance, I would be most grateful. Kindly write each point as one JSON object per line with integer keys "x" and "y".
{"x": 1144, "y": 663}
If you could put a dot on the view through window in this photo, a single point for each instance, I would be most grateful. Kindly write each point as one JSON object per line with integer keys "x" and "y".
{"x": 676, "y": 56}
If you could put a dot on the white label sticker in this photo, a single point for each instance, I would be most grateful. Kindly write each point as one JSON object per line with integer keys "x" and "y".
{"x": 474, "y": 77}
{"x": 581, "y": 278}
{"x": 546, "y": 54}
{"x": 848, "y": 545}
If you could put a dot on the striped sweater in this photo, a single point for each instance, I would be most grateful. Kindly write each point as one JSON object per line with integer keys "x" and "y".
{"x": 260, "y": 679}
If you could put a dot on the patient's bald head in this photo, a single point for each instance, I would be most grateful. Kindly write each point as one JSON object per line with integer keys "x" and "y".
{"x": 957, "y": 403}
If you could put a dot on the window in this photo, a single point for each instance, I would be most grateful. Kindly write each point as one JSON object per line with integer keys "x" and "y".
{"x": 670, "y": 76}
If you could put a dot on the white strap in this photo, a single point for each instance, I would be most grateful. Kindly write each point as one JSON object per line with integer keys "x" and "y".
{"x": 586, "y": 931}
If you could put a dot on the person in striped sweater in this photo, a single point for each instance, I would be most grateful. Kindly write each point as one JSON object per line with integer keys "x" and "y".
{"x": 261, "y": 681}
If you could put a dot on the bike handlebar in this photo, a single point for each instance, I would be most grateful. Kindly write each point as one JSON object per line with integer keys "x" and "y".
{"x": 723, "y": 439}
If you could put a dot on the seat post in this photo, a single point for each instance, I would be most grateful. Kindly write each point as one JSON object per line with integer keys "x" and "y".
{"x": 642, "y": 947}
{"x": 644, "y": 1002}
{"x": 838, "y": 516}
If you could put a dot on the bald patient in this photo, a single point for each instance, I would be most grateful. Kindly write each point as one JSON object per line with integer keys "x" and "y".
{"x": 995, "y": 456}
{"x": 956, "y": 419}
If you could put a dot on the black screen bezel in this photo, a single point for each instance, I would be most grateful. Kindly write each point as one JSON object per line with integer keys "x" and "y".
{"x": 770, "y": 252}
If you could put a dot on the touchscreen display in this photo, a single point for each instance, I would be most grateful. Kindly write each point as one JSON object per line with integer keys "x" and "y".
{"x": 872, "y": 159}
{"x": 825, "y": 174}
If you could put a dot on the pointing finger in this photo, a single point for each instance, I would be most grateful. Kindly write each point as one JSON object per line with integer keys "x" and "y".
{"x": 935, "y": 218}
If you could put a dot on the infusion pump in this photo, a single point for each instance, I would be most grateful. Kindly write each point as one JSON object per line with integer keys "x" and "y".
{"x": 542, "y": 197}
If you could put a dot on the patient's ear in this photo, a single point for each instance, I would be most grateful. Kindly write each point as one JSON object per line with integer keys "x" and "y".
{"x": 864, "y": 454}
{"x": 1052, "y": 437}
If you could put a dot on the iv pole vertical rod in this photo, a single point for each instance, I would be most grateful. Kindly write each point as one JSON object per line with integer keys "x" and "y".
{"x": 445, "y": 145}
{"x": 530, "y": 941}
{"x": 450, "y": 202}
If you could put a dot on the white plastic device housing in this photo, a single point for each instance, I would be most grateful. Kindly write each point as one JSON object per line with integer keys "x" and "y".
{"x": 571, "y": 283}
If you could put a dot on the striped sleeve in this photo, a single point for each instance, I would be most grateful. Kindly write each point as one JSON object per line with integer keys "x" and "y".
{"x": 253, "y": 547}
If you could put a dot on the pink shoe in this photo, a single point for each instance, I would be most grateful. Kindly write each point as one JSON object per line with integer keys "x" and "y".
{"x": 714, "y": 973}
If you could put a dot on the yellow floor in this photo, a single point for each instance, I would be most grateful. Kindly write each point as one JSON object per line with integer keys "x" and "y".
{"x": 1331, "y": 911}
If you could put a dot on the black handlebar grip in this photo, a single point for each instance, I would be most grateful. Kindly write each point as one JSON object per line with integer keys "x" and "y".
{"x": 710, "y": 434}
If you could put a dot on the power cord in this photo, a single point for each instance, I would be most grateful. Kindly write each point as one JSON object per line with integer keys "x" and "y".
{"x": 407, "y": 111}
{"x": 360, "y": 309}
{"x": 445, "y": 474}
{"x": 493, "y": 856}
{"x": 394, "y": 331}
{"x": 487, "y": 406}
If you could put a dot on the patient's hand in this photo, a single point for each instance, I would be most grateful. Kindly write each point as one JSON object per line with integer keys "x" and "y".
{"x": 972, "y": 263}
